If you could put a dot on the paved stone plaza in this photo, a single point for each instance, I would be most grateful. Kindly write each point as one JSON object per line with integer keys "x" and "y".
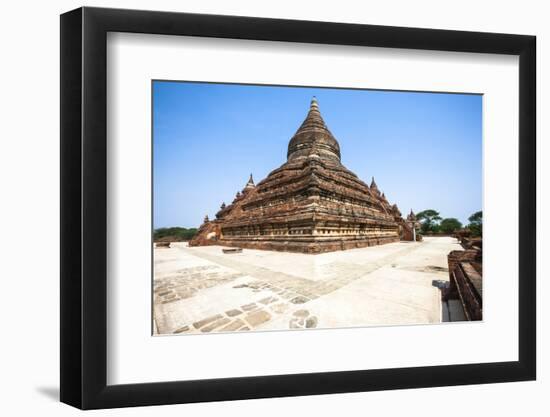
{"x": 201, "y": 289}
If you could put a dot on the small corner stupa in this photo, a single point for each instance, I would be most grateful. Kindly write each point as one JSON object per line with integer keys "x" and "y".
{"x": 310, "y": 204}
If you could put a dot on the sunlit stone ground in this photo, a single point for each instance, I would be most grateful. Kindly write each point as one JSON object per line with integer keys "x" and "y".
{"x": 201, "y": 289}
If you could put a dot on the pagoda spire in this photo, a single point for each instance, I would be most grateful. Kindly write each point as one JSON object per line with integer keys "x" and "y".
{"x": 396, "y": 210}
{"x": 374, "y": 188}
{"x": 313, "y": 137}
{"x": 250, "y": 184}
{"x": 250, "y": 181}
{"x": 313, "y": 120}
{"x": 373, "y": 184}
{"x": 314, "y": 105}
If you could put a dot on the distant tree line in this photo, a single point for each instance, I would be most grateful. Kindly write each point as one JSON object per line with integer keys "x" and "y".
{"x": 174, "y": 234}
{"x": 476, "y": 223}
{"x": 431, "y": 222}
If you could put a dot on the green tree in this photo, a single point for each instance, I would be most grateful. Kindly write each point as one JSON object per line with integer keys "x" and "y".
{"x": 176, "y": 234}
{"x": 428, "y": 220}
{"x": 476, "y": 223}
{"x": 450, "y": 225}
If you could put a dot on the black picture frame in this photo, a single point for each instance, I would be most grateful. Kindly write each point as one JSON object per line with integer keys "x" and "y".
{"x": 84, "y": 207}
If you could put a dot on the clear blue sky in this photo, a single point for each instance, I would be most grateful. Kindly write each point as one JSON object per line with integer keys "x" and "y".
{"x": 424, "y": 149}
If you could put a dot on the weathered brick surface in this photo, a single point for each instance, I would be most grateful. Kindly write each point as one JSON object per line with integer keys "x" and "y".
{"x": 465, "y": 275}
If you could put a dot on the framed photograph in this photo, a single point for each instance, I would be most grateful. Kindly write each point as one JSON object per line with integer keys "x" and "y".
{"x": 259, "y": 208}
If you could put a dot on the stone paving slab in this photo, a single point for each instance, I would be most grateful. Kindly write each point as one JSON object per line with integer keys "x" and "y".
{"x": 203, "y": 290}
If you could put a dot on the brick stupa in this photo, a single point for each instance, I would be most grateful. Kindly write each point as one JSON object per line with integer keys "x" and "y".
{"x": 310, "y": 204}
